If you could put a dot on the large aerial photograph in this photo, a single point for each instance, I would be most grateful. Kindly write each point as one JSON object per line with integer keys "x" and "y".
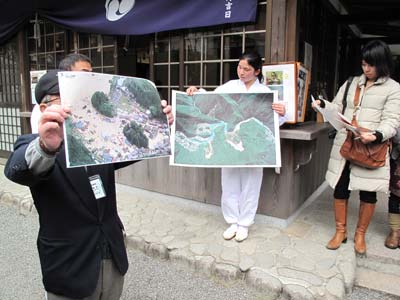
{"x": 113, "y": 119}
{"x": 225, "y": 129}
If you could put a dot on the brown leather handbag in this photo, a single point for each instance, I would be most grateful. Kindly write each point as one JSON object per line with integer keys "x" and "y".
{"x": 371, "y": 156}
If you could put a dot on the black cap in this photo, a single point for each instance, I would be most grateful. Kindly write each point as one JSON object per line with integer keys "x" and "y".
{"x": 47, "y": 85}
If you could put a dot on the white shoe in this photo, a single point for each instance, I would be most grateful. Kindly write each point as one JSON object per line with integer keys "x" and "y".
{"x": 242, "y": 233}
{"x": 230, "y": 232}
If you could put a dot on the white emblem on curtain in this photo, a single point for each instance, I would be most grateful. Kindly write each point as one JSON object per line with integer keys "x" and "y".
{"x": 116, "y": 9}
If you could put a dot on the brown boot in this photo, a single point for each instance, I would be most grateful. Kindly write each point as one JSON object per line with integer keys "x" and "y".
{"x": 340, "y": 236}
{"x": 365, "y": 216}
{"x": 393, "y": 239}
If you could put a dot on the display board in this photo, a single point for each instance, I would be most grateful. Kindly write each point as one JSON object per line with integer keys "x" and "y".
{"x": 291, "y": 80}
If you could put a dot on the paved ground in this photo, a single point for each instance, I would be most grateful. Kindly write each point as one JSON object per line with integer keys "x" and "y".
{"x": 147, "y": 279}
{"x": 291, "y": 263}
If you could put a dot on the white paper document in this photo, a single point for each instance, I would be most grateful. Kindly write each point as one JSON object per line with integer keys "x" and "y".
{"x": 338, "y": 120}
{"x": 329, "y": 115}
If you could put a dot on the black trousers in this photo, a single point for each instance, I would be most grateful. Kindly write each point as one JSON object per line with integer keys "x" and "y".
{"x": 342, "y": 188}
{"x": 394, "y": 201}
{"x": 394, "y": 204}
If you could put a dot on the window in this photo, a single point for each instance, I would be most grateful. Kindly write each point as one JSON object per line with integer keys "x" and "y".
{"x": 211, "y": 56}
{"x": 46, "y": 45}
{"x": 10, "y": 97}
{"x": 101, "y": 50}
{"x": 166, "y": 63}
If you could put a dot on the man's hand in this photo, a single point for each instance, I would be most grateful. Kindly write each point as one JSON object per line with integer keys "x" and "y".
{"x": 167, "y": 109}
{"x": 51, "y": 126}
{"x": 279, "y": 108}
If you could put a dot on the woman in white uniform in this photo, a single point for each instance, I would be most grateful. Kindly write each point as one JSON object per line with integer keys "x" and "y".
{"x": 241, "y": 186}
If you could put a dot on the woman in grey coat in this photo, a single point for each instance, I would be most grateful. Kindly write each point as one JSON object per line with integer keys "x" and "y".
{"x": 393, "y": 239}
{"x": 378, "y": 110}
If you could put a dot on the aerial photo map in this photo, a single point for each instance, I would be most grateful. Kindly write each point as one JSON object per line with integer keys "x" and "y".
{"x": 225, "y": 130}
{"x": 113, "y": 119}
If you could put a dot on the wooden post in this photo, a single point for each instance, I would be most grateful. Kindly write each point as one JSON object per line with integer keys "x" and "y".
{"x": 281, "y": 31}
{"x": 23, "y": 66}
{"x": 268, "y": 32}
{"x": 278, "y": 29}
{"x": 292, "y": 25}
{"x": 181, "y": 62}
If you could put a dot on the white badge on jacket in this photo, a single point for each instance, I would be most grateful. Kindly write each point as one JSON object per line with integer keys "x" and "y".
{"x": 97, "y": 186}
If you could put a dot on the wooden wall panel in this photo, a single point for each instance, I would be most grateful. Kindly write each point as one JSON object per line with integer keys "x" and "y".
{"x": 198, "y": 184}
{"x": 281, "y": 194}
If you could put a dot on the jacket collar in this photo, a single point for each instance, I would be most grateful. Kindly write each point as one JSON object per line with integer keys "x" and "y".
{"x": 362, "y": 80}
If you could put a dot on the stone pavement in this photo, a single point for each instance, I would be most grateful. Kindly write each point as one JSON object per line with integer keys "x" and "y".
{"x": 282, "y": 263}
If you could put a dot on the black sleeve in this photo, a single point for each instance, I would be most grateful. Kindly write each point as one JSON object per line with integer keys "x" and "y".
{"x": 379, "y": 137}
{"x": 16, "y": 168}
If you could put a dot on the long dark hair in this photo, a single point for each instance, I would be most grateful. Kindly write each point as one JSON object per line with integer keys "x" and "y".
{"x": 254, "y": 60}
{"x": 377, "y": 54}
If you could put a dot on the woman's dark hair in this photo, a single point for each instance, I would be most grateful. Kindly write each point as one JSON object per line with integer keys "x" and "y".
{"x": 377, "y": 54}
{"x": 70, "y": 60}
{"x": 254, "y": 60}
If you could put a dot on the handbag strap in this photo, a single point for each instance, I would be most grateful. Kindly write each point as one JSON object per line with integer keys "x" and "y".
{"x": 356, "y": 104}
{"x": 346, "y": 90}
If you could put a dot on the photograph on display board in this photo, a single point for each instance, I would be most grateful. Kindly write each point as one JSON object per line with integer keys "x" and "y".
{"x": 291, "y": 80}
{"x": 225, "y": 130}
{"x": 302, "y": 92}
{"x": 113, "y": 119}
{"x": 283, "y": 79}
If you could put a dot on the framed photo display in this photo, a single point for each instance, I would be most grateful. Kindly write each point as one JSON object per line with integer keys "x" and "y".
{"x": 291, "y": 80}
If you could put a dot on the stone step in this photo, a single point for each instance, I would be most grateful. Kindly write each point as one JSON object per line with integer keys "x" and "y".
{"x": 377, "y": 273}
{"x": 377, "y": 252}
{"x": 382, "y": 264}
{"x": 383, "y": 282}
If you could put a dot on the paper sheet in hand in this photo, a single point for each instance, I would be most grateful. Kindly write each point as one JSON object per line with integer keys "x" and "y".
{"x": 329, "y": 115}
{"x": 113, "y": 119}
{"x": 355, "y": 130}
{"x": 338, "y": 120}
{"x": 347, "y": 124}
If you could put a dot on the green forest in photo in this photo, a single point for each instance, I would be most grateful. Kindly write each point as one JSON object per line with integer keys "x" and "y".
{"x": 224, "y": 129}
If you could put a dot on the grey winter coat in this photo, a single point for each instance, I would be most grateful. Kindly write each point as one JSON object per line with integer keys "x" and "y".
{"x": 380, "y": 111}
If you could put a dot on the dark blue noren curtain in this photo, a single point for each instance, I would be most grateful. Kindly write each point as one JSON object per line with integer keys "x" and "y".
{"x": 125, "y": 17}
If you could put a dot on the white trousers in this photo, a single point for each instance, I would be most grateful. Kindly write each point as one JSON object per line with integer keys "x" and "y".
{"x": 240, "y": 193}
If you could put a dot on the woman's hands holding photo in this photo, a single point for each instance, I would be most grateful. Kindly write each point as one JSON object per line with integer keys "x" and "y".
{"x": 191, "y": 89}
{"x": 279, "y": 108}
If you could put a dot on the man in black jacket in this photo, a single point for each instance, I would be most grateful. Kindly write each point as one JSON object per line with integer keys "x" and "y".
{"x": 72, "y": 62}
{"x": 80, "y": 241}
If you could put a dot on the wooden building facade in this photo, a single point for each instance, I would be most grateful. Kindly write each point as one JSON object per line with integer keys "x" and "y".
{"x": 323, "y": 32}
